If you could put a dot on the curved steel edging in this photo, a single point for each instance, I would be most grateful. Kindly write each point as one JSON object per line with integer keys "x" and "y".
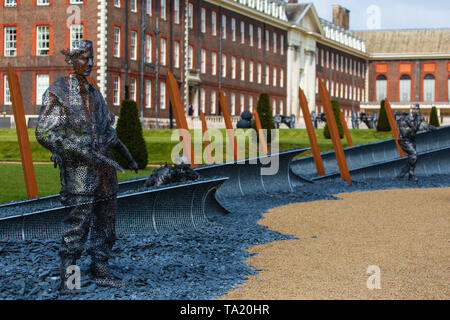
{"x": 430, "y": 162}
{"x": 371, "y": 153}
{"x": 152, "y": 210}
{"x": 245, "y": 176}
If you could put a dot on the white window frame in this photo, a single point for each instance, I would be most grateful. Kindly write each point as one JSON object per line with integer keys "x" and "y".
{"x": 233, "y": 67}
{"x": 10, "y": 3}
{"x": 149, "y": 7}
{"x": 133, "y": 6}
{"x": 242, "y": 28}
{"x": 163, "y": 10}
{"x": 40, "y": 49}
{"x": 117, "y": 42}
{"x": 176, "y": 11}
{"x": 116, "y": 90}
{"x": 213, "y": 23}
{"x": 233, "y": 104}
{"x": 133, "y": 45}
{"x": 41, "y": 87}
{"x": 75, "y": 34}
{"x": 148, "y": 48}
{"x": 281, "y": 77}
{"x": 213, "y": 63}
{"x": 177, "y": 54}
{"x": 282, "y": 44}
{"x": 162, "y": 96}
{"x": 213, "y": 102}
{"x": 6, "y": 91}
{"x": 274, "y": 76}
{"x": 203, "y": 99}
{"x": 203, "y": 60}
{"x": 242, "y": 69}
{"x": 190, "y": 15}
{"x": 224, "y": 65}
{"x": 133, "y": 92}
{"x": 259, "y": 72}
{"x": 233, "y": 29}
{"x": 259, "y": 35}
{"x": 163, "y": 51}
{"x": 274, "y": 35}
{"x": 42, "y": 2}
{"x": 148, "y": 94}
{"x": 223, "y": 25}
{"x": 203, "y": 20}
{"x": 10, "y": 51}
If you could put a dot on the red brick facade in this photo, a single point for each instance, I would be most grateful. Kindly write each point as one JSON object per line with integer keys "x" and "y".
{"x": 344, "y": 75}
{"x": 416, "y": 70}
{"x": 27, "y": 16}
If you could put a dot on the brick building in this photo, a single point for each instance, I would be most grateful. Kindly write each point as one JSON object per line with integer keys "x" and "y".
{"x": 244, "y": 47}
{"x": 233, "y": 47}
{"x": 341, "y": 67}
{"x": 409, "y": 66}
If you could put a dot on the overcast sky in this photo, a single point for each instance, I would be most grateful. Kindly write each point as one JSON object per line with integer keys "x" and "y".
{"x": 393, "y": 14}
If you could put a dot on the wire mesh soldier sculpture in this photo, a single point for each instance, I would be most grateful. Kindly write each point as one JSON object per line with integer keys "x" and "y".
{"x": 76, "y": 126}
{"x": 408, "y": 125}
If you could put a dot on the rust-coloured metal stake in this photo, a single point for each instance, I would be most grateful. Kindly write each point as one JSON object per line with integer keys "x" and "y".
{"x": 22, "y": 133}
{"x": 262, "y": 139}
{"x": 228, "y": 124}
{"x": 180, "y": 116}
{"x": 206, "y": 137}
{"x": 332, "y": 126}
{"x": 311, "y": 133}
{"x": 394, "y": 127}
{"x": 348, "y": 137}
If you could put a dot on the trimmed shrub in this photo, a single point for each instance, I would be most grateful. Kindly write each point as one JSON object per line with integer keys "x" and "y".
{"x": 265, "y": 115}
{"x": 383, "y": 122}
{"x": 434, "y": 119}
{"x": 129, "y": 130}
{"x": 336, "y": 111}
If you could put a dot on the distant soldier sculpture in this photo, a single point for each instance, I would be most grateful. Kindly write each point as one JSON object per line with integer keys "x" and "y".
{"x": 408, "y": 125}
{"x": 76, "y": 126}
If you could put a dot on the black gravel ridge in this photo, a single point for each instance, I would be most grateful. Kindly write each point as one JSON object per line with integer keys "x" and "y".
{"x": 186, "y": 264}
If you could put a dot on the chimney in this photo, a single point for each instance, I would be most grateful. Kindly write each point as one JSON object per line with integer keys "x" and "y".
{"x": 341, "y": 16}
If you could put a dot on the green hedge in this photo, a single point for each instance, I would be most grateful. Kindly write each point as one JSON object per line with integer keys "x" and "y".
{"x": 434, "y": 119}
{"x": 265, "y": 114}
{"x": 383, "y": 122}
{"x": 129, "y": 130}
{"x": 336, "y": 111}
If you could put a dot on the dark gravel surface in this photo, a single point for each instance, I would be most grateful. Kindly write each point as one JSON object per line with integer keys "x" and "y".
{"x": 186, "y": 264}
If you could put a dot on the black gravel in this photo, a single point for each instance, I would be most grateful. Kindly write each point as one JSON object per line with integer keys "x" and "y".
{"x": 185, "y": 264}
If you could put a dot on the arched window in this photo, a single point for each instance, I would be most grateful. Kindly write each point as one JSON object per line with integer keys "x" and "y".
{"x": 381, "y": 87}
{"x": 429, "y": 88}
{"x": 405, "y": 88}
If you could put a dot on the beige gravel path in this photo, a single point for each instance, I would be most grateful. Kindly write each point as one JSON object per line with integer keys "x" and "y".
{"x": 406, "y": 233}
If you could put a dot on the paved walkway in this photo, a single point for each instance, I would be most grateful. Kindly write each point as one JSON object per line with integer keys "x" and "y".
{"x": 406, "y": 233}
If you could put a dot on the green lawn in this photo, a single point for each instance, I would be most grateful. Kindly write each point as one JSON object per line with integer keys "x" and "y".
{"x": 159, "y": 146}
{"x": 47, "y": 177}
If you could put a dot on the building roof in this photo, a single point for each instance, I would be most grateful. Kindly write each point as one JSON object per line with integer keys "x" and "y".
{"x": 295, "y": 11}
{"x": 407, "y": 41}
